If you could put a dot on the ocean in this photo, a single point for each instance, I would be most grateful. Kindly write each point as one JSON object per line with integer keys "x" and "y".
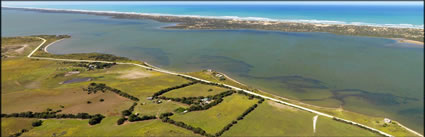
{"x": 373, "y": 76}
{"x": 390, "y": 14}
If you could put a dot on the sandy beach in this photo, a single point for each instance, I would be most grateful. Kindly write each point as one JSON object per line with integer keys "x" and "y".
{"x": 402, "y": 40}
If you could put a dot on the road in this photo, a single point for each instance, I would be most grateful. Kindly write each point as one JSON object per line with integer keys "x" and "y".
{"x": 314, "y": 123}
{"x": 232, "y": 87}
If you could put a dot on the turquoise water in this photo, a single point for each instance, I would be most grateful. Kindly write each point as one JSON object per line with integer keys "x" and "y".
{"x": 373, "y": 76}
{"x": 364, "y": 13}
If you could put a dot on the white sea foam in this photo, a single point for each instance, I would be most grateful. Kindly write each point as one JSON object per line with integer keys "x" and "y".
{"x": 312, "y": 21}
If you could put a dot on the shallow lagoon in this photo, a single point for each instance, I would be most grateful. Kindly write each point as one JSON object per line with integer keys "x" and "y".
{"x": 374, "y": 76}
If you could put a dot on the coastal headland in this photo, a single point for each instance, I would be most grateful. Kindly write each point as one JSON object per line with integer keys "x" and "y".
{"x": 405, "y": 35}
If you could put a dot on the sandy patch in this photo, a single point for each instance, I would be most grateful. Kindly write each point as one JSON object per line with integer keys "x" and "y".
{"x": 321, "y": 25}
{"x": 133, "y": 74}
{"x": 21, "y": 49}
{"x": 17, "y": 83}
{"x": 71, "y": 73}
{"x": 33, "y": 85}
{"x": 409, "y": 41}
{"x": 281, "y": 106}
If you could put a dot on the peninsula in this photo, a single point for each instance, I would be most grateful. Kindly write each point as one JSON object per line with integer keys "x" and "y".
{"x": 408, "y": 35}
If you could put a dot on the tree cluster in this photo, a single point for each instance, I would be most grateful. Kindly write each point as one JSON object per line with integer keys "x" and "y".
{"x": 121, "y": 120}
{"x": 196, "y": 130}
{"x": 123, "y": 94}
{"x": 107, "y": 57}
{"x": 30, "y": 114}
{"x": 197, "y": 100}
{"x": 228, "y": 126}
{"x": 250, "y": 96}
{"x": 126, "y": 113}
{"x": 96, "y": 119}
{"x": 179, "y": 110}
{"x": 217, "y": 100}
{"x": 96, "y": 65}
{"x": 94, "y": 87}
{"x": 188, "y": 100}
{"x": 133, "y": 117}
{"x": 250, "y": 109}
{"x": 166, "y": 114}
{"x": 45, "y": 115}
{"x": 206, "y": 83}
{"x": 155, "y": 95}
{"x": 37, "y": 123}
{"x": 129, "y": 110}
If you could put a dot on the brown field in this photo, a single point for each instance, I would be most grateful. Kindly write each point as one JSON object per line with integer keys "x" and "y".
{"x": 73, "y": 100}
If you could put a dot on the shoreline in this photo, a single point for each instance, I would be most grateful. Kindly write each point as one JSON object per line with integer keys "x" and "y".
{"x": 45, "y": 48}
{"x": 276, "y": 98}
{"x": 402, "y": 40}
{"x": 205, "y": 23}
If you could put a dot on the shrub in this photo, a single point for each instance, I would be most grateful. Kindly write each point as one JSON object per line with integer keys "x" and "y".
{"x": 37, "y": 123}
{"x": 179, "y": 110}
{"x": 126, "y": 112}
{"x": 94, "y": 87}
{"x": 96, "y": 119}
{"x": 132, "y": 118}
{"x": 121, "y": 121}
{"x": 101, "y": 100}
{"x": 165, "y": 115}
{"x": 88, "y": 102}
{"x": 155, "y": 95}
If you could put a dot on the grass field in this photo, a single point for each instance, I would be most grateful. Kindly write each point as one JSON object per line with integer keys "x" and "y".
{"x": 150, "y": 108}
{"x": 217, "y": 117}
{"x": 10, "y": 126}
{"x": 195, "y": 91}
{"x": 273, "y": 119}
{"x": 108, "y": 127}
